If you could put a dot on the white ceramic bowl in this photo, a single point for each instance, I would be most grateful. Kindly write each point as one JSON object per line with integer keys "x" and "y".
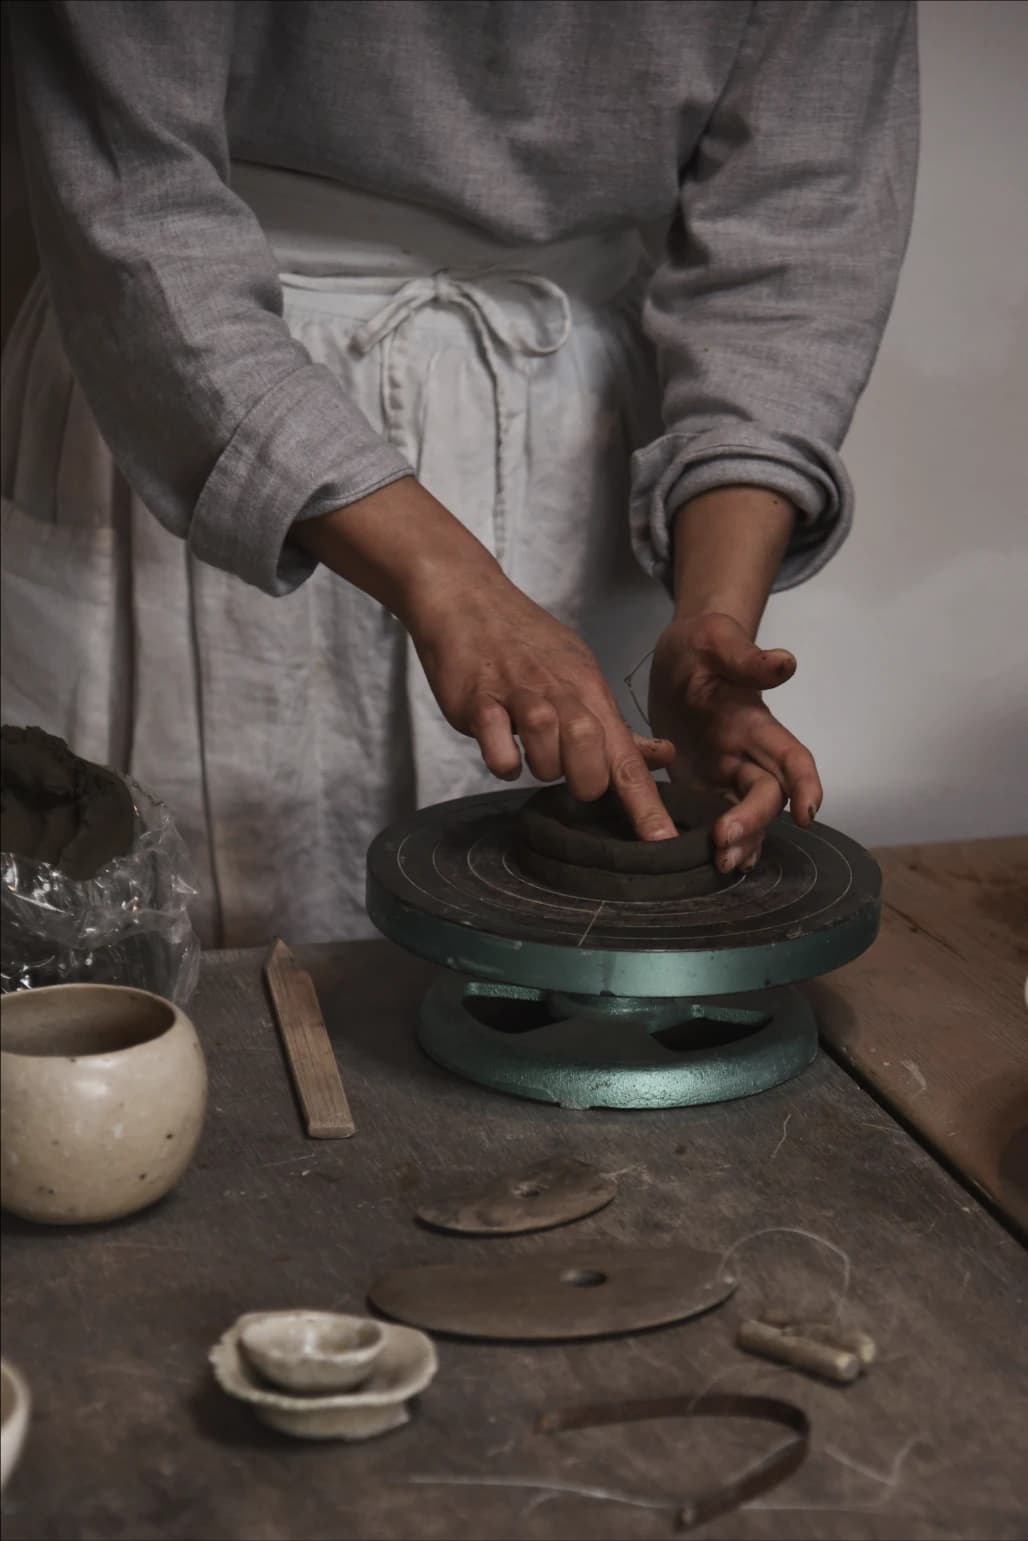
{"x": 102, "y": 1101}
{"x": 312, "y": 1350}
{"x": 14, "y": 1418}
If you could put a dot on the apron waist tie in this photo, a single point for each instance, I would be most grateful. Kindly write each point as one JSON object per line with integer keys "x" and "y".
{"x": 504, "y": 334}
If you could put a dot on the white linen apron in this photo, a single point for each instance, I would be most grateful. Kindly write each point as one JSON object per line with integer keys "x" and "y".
{"x": 285, "y": 733}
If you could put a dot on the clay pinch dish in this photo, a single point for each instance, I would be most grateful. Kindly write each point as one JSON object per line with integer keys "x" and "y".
{"x": 405, "y": 1364}
{"x": 313, "y": 1351}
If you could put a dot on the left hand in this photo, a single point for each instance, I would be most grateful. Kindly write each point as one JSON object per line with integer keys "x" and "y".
{"x": 706, "y": 687}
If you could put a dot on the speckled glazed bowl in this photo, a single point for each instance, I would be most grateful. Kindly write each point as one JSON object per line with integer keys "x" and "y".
{"x": 102, "y": 1103}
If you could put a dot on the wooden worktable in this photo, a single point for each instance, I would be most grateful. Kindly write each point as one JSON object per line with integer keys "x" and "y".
{"x": 933, "y": 1017}
{"x": 111, "y": 1325}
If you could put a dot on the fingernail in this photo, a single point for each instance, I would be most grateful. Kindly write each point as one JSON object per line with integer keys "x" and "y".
{"x": 729, "y": 860}
{"x": 748, "y": 866}
{"x": 812, "y": 811}
{"x": 732, "y": 834}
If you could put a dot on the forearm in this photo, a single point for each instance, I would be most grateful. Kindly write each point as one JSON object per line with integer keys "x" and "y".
{"x": 768, "y": 310}
{"x": 166, "y": 290}
{"x": 401, "y": 546}
{"x": 728, "y": 547}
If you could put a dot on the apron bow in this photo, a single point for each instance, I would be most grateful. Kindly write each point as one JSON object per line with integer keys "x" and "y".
{"x": 506, "y": 329}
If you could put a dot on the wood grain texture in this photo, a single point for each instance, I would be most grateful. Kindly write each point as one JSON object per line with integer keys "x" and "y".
{"x": 112, "y": 1324}
{"x": 312, "y": 1061}
{"x": 933, "y": 1017}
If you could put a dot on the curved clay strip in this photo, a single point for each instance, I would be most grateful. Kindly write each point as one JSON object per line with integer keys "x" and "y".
{"x": 768, "y": 1473}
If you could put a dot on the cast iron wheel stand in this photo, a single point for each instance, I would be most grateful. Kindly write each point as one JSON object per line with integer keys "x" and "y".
{"x": 617, "y": 1051}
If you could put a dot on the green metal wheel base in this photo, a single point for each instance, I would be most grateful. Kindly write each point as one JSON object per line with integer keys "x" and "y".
{"x": 584, "y": 1051}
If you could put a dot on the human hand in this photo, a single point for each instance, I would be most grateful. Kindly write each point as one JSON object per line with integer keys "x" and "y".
{"x": 503, "y": 670}
{"x": 705, "y": 696}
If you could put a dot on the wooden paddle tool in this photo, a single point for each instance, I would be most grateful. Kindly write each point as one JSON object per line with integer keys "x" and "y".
{"x": 316, "y": 1077}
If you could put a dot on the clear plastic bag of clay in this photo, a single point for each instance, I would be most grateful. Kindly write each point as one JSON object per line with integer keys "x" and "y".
{"x": 129, "y": 925}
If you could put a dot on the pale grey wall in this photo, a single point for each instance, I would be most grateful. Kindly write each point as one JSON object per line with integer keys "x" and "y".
{"x": 913, "y": 645}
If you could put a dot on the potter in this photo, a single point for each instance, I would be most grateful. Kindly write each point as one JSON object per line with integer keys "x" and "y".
{"x": 495, "y": 294}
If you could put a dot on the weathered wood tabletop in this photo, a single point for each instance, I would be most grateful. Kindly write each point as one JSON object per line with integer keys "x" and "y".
{"x": 933, "y": 1016}
{"x": 111, "y": 1325}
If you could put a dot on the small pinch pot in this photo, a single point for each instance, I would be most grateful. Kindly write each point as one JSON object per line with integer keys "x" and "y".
{"x": 103, "y": 1095}
{"x": 312, "y": 1351}
{"x": 403, "y": 1367}
{"x": 14, "y": 1418}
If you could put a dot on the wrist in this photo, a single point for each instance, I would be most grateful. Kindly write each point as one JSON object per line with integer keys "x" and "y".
{"x": 727, "y": 605}
{"x": 728, "y": 547}
{"x": 401, "y": 546}
{"x": 436, "y": 585}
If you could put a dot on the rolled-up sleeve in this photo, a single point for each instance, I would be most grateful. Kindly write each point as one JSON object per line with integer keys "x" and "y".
{"x": 780, "y": 273}
{"x": 165, "y": 289}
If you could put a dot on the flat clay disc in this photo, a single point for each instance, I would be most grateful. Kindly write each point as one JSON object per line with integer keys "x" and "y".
{"x": 590, "y": 1293}
{"x": 536, "y": 1199}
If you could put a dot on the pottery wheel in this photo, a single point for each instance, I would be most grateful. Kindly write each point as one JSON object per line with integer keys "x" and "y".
{"x": 616, "y": 1002}
{"x": 446, "y": 884}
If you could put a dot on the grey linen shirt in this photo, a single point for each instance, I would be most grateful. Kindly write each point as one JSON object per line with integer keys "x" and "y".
{"x": 776, "y": 141}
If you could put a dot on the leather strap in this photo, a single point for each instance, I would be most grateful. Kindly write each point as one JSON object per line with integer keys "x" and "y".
{"x": 772, "y": 1469}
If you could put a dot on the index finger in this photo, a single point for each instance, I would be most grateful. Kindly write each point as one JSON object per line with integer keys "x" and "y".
{"x": 631, "y": 780}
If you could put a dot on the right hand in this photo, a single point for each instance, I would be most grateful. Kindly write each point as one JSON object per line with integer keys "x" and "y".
{"x": 503, "y": 670}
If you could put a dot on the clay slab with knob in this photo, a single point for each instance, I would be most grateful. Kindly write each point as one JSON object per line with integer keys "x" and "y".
{"x": 103, "y": 1100}
{"x": 549, "y": 1193}
{"x": 590, "y": 1293}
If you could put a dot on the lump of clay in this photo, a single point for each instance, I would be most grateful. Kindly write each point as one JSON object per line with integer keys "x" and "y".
{"x": 58, "y": 809}
{"x": 591, "y": 850}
